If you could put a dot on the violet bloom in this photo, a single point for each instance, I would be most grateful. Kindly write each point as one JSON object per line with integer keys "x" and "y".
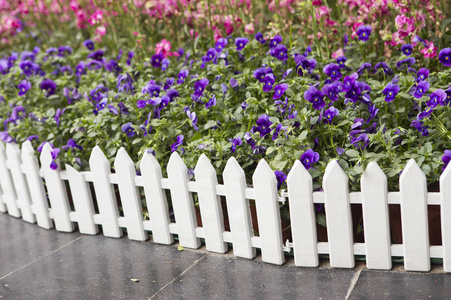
{"x": 420, "y": 127}
{"x": 48, "y": 86}
{"x": 41, "y": 146}
{"x": 402, "y": 64}
{"x": 64, "y": 50}
{"x": 211, "y": 53}
{"x": 445, "y": 57}
{"x": 58, "y": 114}
{"x": 315, "y": 97}
{"x": 178, "y": 142}
{"x": 71, "y": 144}
{"x": 259, "y": 37}
{"x": 235, "y": 142}
{"x": 122, "y": 108}
{"x": 96, "y": 55}
{"x": 130, "y": 56}
{"x": 27, "y": 67}
{"x": 341, "y": 61}
{"x": 220, "y": 44}
{"x": 182, "y": 75}
{"x": 279, "y": 90}
{"x": 128, "y": 129}
{"x": 349, "y": 81}
{"x": 200, "y": 86}
{"x": 193, "y": 118}
{"x": 54, "y": 153}
{"x": 329, "y": 114}
{"x": 23, "y": 87}
{"x": 240, "y": 43}
{"x": 436, "y": 98}
{"x": 156, "y": 60}
{"x": 361, "y": 141}
{"x": 279, "y": 52}
{"x": 407, "y": 49}
{"x": 364, "y": 32}
{"x": 152, "y": 89}
{"x": 33, "y": 137}
{"x": 384, "y": 67}
{"x": 260, "y": 74}
{"x": 448, "y": 96}
{"x": 364, "y": 67}
{"x": 18, "y": 113}
{"x": 333, "y": 71}
{"x": 446, "y": 158}
{"x": 80, "y": 69}
{"x": 172, "y": 94}
{"x": 211, "y": 102}
{"x": 422, "y": 74}
{"x": 169, "y": 82}
{"x": 424, "y": 114}
{"x": 332, "y": 90}
{"x": 275, "y": 41}
{"x": 281, "y": 178}
{"x": 390, "y": 91}
{"x": 269, "y": 82}
{"x": 421, "y": 89}
{"x": 89, "y": 44}
{"x": 165, "y": 64}
{"x": 4, "y": 136}
{"x": 27, "y": 55}
{"x": 263, "y": 125}
{"x": 309, "y": 158}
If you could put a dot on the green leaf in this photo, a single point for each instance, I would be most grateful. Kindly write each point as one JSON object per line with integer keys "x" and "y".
{"x": 352, "y": 153}
{"x": 136, "y": 141}
{"x": 321, "y": 220}
{"x": 210, "y": 124}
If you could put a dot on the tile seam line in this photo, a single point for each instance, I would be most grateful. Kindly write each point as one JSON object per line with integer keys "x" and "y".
{"x": 23, "y": 267}
{"x": 180, "y": 275}
{"x": 354, "y": 280}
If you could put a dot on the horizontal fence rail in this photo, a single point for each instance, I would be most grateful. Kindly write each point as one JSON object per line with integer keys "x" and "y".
{"x": 112, "y": 200}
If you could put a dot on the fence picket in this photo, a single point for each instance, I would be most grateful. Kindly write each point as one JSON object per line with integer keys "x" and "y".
{"x": 210, "y": 205}
{"x": 130, "y": 198}
{"x": 238, "y": 209}
{"x": 82, "y": 198}
{"x": 20, "y": 183}
{"x": 157, "y": 204}
{"x": 2, "y": 204}
{"x": 9, "y": 196}
{"x": 338, "y": 217}
{"x": 445, "y": 216}
{"x": 302, "y": 216}
{"x": 414, "y": 218}
{"x": 182, "y": 201}
{"x": 56, "y": 191}
{"x": 36, "y": 185}
{"x": 375, "y": 218}
{"x": 268, "y": 213}
{"x": 106, "y": 198}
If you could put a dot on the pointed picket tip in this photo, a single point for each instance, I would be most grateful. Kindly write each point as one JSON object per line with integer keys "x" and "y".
{"x": 373, "y": 172}
{"x": 446, "y": 176}
{"x": 96, "y": 155}
{"x": 46, "y": 156}
{"x": 334, "y": 173}
{"x": 412, "y": 170}
{"x": 298, "y": 171}
{"x": 175, "y": 161}
{"x": 264, "y": 172}
{"x": 122, "y": 156}
{"x": 71, "y": 170}
{"x": 204, "y": 164}
{"x": 27, "y": 148}
{"x": 12, "y": 148}
{"x": 149, "y": 161}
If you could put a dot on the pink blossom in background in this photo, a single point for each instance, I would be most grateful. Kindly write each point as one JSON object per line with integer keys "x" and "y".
{"x": 338, "y": 53}
{"x": 163, "y": 47}
{"x": 249, "y": 28}
{"x": 96, "y": 17}
{"x": 193, "y": 34}
{"x": 101, "y": 30}
{"x": 430, "y": 51}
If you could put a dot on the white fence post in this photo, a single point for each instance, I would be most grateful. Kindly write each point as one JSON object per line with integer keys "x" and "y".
{"x": 268, "y": 213}
{"x": 414, "y": 218}
{"x": 375, "y": 218}
{"x": 157, "y": 204}
{"x": 106, "y": 198}
{"x": 81, "y": 195}
{"x": 9, "y": 194}
{"x": 338, "y": 217}
{"x": 210, "y": 205}
{"x": 182, "y": 202}
{"x": 56, "y": 191}
{"x": 445, "y": 216}
{"x": 130, "y": 199}
{"x": 36, "y": 185}
{"x": 302, "y": 216}
{"x": 238, "y": 209}
{"x": 20, "y": 183}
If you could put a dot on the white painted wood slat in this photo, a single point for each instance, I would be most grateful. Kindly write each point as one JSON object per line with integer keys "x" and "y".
{"x": 375, "y": 218}
{"x": 445, "y": 216}
{"x": 9, "y": 196}
{"x": 238, "y": 210}
{"x": 210, "y": 205}
{"x": 268, "y": 214}
{"x": 182, "y": 202}
{"x": 130, "y": 199}
{"x": 302, "y": 216}
{"x": 338, "y": 217}
{"x": 414, "y": 218}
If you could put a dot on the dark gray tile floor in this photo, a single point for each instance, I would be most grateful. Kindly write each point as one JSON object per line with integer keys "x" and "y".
{"x": 45, "y": 264}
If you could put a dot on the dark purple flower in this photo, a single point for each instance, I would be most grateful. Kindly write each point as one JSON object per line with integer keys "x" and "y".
{"x": 332, "y": 90}
{"x": 112, "y": 109}
{"x": 89, "y": 44}
{"x": 211, "y": 102}
{"x": 244, "y": 105}
{"x": 71, "y": 144}
{"x": 235, "y": 142}
{"x": 4, "y": 136}
{"x": 211, "y": 53}
{"x": 169, "y": 82}
{"x": 96, "y": 55}
{"x": 263, "y": 125}
{"x": 275, "y": 41}
{"x": 446, "y": 158}
{"x": 260, "y": 73}
{"x": 436, "y": 98}
{"x": 41, "y": 146}
{"x": 259, "y": 37}
{"x": 200, "y": 86}
{"x": 27, "y": 55}
{"x": 240, "y": 43}
{"x": 220, "y": 44}
{"x": 349, "y": 81}
{"x": 422, "y": 74}
{"x": 279, "y": 90}
{"x": 172, "y": 94}
{"x": 27, "y": 67}
{"x": 361, "y": 141}
{"x": 329, "y": 114}
{"x": 402, "y": 64}
{"x": 281, "y": 178}
{"x": 309, "y": 158}
{"x": 315, "y": 97}
{"x": 33, "y": 137}
{"x": 364, "y": 67}
{"x": 18, "y": 113}
{"x": 390, "y": 91}
{"x": 113, "y": 66}
{"x": 55, "y": 152}
{"x": 384, "y": 67}
{"x": 182, "y": 75}
{"x": 421, "y": 89}
{"x": 178, "y": 142}
{"x": 48, "y": 86}
{"x": 64, "y": 50}
{"x": 277, "y": 130}
{"x": 448, "y": 96}
{"x": 424, "y": 114}
{"x": 407, "y": 49}
{"x": 23, "y": 87}
{"x": 58, "y": 114}
{"x": 333, "y": 71}
{"x": 420, "y": 127}
{"x": 66, "y": 69}
{"x": 364, "y": 32}
{"x": 279, "y": 52}
{"x": 156, "y": 60}
{"x": 341, "y": 61}
{"x": 128, "y": 129}
{"x": 165, "y": 64}
{"x": 130, "y": 56}
{"x": 152, "y": 89}
{"x": 445, "y": 57}
{"x": 123, "y": 109}
{"x": 373, "y": 112}
{"x": 80, "y": 69}
{"x": 269, "y": 82}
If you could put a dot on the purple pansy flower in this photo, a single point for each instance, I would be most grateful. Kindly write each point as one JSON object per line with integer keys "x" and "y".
{"x": 96, "y": 55}
{"x": 315, "y": 97}
{"x": 64, "y": 50}
{"x": 384, "y": 67}
{"x": 279, "y": 90}
{"x": 421, "y": 89}
{"x": 281, "y": 178}
{"x": 23, "y": 87}
{"x": 422, "y": 74}
{"x": 220, "y": 44}
{"x": 156, "y": 60}
{"x": 27, "y": 67}
{"x": 128, "y": 129}
{"x": 332, "y": 90}
{"x": 445, "y": 57}
{"x": 309, "y": 158}
{"x": 178, "y": 142}
{"x": 390, "y": 91}
{"x": 55, "y": 152}
{"x": 446, "y": 158}
{"x": 211, "y": 53}
{"x": 200, "y": 86}
{"x": 71, "y": 144}
{"x": 402, "y": 64}
{"x": 363, "y": 67}
{"x": 332, "y": 70}
{"x": 341, "y": 61}
{"x": 130, "y": 56}
{"x": 364, "y": 32}
{"x": 279, "y": 52}
{"x": 329, "y": 114}
{"x": 235, "y": 142}
{"x": 182, "y": 75}
{"x": 361, "y": 141}
{"x": 263, "y": 125}
{"x": 211, "y": 102}
{"x": 269, "y": 82}
{"x": 89, "y": 44}
{"x": 420, "y": 127}
{"x": 4, "y": 136}
{"x": 275, "y": 41}
{"x": 58, "y": 114}
{"x": 407, "y": 49}
{"x": 240, "y": 43}
{"x": 259, "y": 37}
{"x": 48, "y": 86}
{"x": 349, "y": 81}
{"x": 436, "y": 98}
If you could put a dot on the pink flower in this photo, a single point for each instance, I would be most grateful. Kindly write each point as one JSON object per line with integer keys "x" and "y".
{"x": 338, "y": 53}
{"x": 163, "y": 47}
{"x": 430, "y": 51}
{"x": 96, "y": 17}
{"x": 249, "y": 28}
{"x": 101, "y": 30}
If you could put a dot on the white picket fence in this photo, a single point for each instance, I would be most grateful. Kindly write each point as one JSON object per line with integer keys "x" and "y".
{"x": 38, "y": 194}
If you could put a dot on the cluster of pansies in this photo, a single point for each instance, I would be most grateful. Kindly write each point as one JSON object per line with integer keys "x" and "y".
{"x": 250, "y": 98}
